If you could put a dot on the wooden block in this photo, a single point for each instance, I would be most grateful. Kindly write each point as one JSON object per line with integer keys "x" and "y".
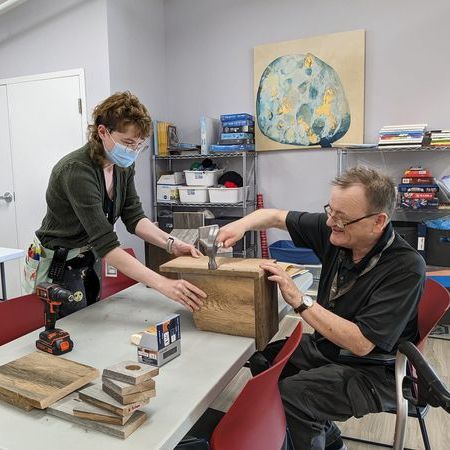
{"x": 241, "y": 300}
{"x": 130, "y": 398}
{"x": 96, "y": 396}
{"x": 130, "y": 372}
{"x": 90, "y": 412}
{"x": 123, "y": 388}
{"x": 40, "y": 379}
{"x": 64, "y": 409}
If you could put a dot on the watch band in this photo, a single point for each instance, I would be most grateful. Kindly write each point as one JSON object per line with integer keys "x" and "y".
{"x": 307, "y": 302}
{"x": 301, "y": 308}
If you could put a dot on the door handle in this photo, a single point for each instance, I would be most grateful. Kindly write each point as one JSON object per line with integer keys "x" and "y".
{"x": 7, "y": 196}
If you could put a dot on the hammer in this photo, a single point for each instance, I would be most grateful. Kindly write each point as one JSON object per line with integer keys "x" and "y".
{"x": 210, "y": 246}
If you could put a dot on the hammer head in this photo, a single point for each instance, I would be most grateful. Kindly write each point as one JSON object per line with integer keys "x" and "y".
{"x": 210, "y": 246}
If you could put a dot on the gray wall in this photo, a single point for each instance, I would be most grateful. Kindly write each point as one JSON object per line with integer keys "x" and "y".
{"x": 136, "y": 48}
{"x": 41, "y": 36}
{"x": 210, "y": 71}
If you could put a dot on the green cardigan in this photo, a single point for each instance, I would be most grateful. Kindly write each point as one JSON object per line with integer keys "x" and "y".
{"x": 75, "y": 196}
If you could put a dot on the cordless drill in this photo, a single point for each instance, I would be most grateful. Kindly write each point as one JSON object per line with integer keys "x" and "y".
{"x": 53, "y": 340}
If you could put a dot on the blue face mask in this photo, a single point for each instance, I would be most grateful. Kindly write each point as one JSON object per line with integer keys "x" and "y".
{"x": 121, "y": 156}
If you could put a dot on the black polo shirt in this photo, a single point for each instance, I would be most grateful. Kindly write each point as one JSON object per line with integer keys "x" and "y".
{"x": 381, "y": 298}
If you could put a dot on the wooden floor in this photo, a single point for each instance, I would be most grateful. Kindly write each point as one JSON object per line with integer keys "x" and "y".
{"x": 377, "y": 427}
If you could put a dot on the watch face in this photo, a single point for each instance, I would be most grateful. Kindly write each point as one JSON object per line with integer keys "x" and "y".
{"x": 308, "y": 301}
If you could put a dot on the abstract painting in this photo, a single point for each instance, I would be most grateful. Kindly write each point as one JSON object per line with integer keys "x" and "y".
{"x": 309, "y": 93}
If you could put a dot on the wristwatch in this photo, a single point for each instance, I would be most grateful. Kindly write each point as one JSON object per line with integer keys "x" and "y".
{"x": 307, "y": 302}
{"x": 169, "y": 244}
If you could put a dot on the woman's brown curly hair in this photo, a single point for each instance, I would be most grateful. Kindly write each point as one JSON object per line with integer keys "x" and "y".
{"x": 116, "y": 113}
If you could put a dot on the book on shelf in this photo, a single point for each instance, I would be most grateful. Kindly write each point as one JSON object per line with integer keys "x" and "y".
{"x": 225, "y": 136}
{"x": 417, "y": 180}
{"x": 418, "y": 188}
{"x": 239, "y": 123}
{"x": 235, "y": 117}
{"x": 235, "y": 141}
{"x": 241, "y": 129}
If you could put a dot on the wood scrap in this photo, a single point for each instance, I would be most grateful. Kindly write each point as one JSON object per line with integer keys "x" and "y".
{"x": 130, "y": 398}
{"x": 96, "y": 396}
{"x": 64, "y": 409}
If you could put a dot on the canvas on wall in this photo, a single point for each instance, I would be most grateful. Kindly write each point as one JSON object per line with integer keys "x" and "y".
{"x": 309, "y": 93}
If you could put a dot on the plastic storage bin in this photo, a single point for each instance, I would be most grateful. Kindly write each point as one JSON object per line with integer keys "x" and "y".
{"x": 408, "y": 231}
{"x": 202, "y": 177}
{"x": 286, "y": 251}
{"x": 193, "y": 194}
{"x": 437, "y": 247}
{"x": 227, "y": 195}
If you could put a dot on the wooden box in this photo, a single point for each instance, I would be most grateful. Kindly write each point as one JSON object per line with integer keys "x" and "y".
{"x": 241, "y": 300}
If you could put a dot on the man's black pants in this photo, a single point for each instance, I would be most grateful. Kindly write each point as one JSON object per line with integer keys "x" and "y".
{"x": 316, "y": 391}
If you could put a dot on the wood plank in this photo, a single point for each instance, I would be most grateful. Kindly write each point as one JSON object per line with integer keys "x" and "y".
{"x": 96, "y": 396}
{"x": 91, "y": 412}
{"x": 64, "y": 409}
{"x": 132, "y": 372}
{"x": 238, "y": 267}
{"x": 123, "y": 388}
{"x": 40, "y": 379}
{"x": 130, "y": 398}
{"x": 229, "y": 307}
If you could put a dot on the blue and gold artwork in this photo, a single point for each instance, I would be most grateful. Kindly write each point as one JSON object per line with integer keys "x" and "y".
{"x": 301, "y": 101}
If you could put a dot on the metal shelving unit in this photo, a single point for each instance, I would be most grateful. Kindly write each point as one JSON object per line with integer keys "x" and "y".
{"x": 248, "y": 164}
{"x": 385, "y": 155}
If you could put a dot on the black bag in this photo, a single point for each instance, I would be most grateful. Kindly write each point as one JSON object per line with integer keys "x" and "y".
{"x": 262, "y": 360}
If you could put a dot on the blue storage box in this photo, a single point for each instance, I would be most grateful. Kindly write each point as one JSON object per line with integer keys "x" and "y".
{"x": 286, "y": 251}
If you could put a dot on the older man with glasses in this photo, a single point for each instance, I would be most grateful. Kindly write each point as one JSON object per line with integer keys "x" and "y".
{"x": 89, "y": 189}
{"x": 369, "y": 290}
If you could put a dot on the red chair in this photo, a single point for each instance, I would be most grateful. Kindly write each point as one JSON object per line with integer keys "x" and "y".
{"x": 256, "y": 419}
{"x": 112, "y": 285}
{"x": 433, "y": 304}
{"x": 20, "y": 316}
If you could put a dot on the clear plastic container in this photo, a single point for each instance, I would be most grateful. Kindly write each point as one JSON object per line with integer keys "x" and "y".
{"x": 202, "y": 177}
{"x": 226, "y": 195}
{"x": 193, "y": 194}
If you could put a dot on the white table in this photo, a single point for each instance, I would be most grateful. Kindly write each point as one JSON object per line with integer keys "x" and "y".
{"x": 7, "y": 254}
{"x": 185, "y": 386}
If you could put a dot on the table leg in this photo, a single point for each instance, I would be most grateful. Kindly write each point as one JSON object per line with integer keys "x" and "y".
{"x": 3, "y": 278}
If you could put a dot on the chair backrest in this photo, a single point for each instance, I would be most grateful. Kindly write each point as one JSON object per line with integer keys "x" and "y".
{"x": 433, "y": 304}
{"x": 19, "y": 316}
{"x": 112, "y": 285}
{"x": 256, "y": 419}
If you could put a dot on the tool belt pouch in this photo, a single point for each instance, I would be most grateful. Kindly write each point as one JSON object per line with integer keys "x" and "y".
{"x": 57, "y": 266}
{"x": 81, "y": 279}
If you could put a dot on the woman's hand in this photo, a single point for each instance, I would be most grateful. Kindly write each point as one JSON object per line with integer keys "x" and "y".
{"x": 180, "y": 248}
{"x": 290, "y": 292}
{"x": 230, "y": 234}
{"x": 183, "y": 292}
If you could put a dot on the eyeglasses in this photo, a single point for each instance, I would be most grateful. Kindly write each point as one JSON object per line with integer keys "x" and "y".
{"x": 133, "y": 148}
{"x": 340, "y": 223}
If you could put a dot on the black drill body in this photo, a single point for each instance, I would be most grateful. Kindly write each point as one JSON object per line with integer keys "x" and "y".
{"x": 53, "y": 340}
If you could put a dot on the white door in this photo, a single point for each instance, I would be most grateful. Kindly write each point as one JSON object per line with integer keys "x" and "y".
{"x": 45, "y": 123}
{"x": 8, "y": 228}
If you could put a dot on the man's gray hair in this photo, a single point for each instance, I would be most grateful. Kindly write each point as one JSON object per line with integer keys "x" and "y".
{"x": 379, "y": 188}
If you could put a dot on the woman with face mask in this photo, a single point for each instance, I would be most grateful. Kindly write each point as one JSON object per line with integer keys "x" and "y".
{"x": 89, "y": 189}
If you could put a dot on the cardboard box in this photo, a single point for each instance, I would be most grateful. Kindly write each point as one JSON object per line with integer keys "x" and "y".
{"x": 158, "y": 358}
{"x": 160, "y": 343}
{"x": 167, "y": 193}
